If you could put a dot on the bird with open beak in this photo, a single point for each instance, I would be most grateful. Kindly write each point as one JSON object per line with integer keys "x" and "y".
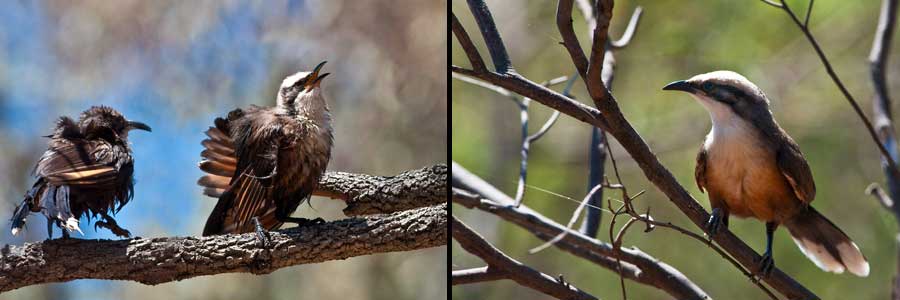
{"x": 750, "y": 167}
{"x": 87, "y": 168}
{"x": 263, "y": 162}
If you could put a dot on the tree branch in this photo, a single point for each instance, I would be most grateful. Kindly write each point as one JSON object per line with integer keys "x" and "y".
{"x": 518, "y": 272}
{"x": 883, "y": 117}
{"x": 158, "y": 260}
{"x": 368, "y": 194}
{"x": 471, "y": 191}
{"x": 476, "y": 275}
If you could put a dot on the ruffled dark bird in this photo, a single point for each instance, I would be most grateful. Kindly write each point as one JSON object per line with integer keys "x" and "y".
{"x": 263, "y": 162}
{"x": 87, "y": 168}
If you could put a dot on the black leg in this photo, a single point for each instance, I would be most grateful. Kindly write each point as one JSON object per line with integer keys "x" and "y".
{"x": 261, "y": 234}
{"x": 110, "y": 223}
{"x": 49, "y": 229}
{"x": 718, "y": 218}
{"x": 768, "y": 263}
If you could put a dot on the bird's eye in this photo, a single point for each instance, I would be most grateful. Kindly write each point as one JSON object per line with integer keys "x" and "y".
{"x": 708, "y": 86}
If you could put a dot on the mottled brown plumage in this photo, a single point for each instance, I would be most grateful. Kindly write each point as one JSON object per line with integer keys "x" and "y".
{"x": 263, "y": 162}
{"x": 87, "y": 168}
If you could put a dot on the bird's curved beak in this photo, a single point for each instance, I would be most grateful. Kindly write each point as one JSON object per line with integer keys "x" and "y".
{"x": 315, "y": 78}
{"x": 138, "y": 125}
{"x": 681, "y": 85}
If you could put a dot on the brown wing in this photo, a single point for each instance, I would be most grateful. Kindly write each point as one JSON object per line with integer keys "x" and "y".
{"x": 248, "y": 195}
{"x": 700, "y": 170}
{"x": 795, "y": 169}
{"x": 218, "y": 160}
{"x": 78, "y": 162}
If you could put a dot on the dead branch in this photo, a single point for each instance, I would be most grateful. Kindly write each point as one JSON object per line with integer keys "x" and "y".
{"x": 514, "y": 270}
{"x": 369, "y": 194}
{"x": 158, "y": 260}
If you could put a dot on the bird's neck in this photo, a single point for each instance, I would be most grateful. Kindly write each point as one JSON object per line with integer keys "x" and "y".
{"x": 309, "y": 106}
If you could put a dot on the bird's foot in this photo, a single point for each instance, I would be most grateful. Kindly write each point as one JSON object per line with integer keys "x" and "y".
{"x": 715, "y": 223}
{"x": 766, "y": 265}
{"x": 301, "y": 222}
{"x": 113, "y": 227}
{"x": 262, "y": 236}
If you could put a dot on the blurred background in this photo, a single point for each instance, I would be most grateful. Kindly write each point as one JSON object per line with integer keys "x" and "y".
{"x": 177, "y": 65}
{"x": 676, "y": 40}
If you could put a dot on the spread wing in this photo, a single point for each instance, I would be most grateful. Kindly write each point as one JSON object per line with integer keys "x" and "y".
{"x": 241, "y": 168}
{"x": 79, "y": 162}
{"x": 700, "y": 170}
{"x": 795, "y": 169}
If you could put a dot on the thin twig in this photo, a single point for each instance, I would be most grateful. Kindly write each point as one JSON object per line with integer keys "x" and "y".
{"x": 629, "y": 31}
{"x": 466, "y": 43}
{"x": 568, "y": 225}
{"x": 837, "y": 81}
{"x": 491, "y": 36}
{"x": 476, "y": 275}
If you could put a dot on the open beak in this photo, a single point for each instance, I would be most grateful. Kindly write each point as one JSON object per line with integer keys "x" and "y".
{"x": 315, "y": 78}
{"x": 138, "y": 125}
{"x": 680, "y": 85}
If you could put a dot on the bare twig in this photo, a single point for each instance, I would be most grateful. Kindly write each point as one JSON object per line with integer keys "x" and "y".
{"x": 476, "y": 275}
{"x": 892, "y": 164}
{"x": 523, "y": 105}
{"x": 570, "y": 224}
{"x": 518, "y": 272}
{"x": 471, "y": 191}
{"x": 466, "y": 42}
{"x": 495, "y": 45}
{"x": 629, "y": 31}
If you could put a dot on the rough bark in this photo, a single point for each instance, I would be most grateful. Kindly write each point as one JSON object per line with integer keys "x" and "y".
{"x": 158, "y": 260}
{"x": 417, "y": 218}
{"x": 368, "y": 194}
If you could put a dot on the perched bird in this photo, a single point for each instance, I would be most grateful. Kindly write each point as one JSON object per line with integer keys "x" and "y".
{"x": 87, "y": 168}
{"x": 263, "y": 162}
{"x": 750, "y": 167}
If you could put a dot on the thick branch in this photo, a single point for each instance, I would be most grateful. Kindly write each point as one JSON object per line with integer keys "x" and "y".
{"x": 158, "y": 260}
{"x": 518, "y": 272}
{"x": 636, "y": 265}
{"x": 368, "y": 194}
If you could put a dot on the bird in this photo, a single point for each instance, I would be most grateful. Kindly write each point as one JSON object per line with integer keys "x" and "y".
{"x": 263, "y": 162}
{"x": 87, "y": 168}
{"x": 750, "y": 167}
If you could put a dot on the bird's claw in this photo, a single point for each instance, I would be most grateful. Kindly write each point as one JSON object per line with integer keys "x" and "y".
{"x": 766, "y": 265}
{"x": 114, "y": 228}
{"x": 715, "y": 222}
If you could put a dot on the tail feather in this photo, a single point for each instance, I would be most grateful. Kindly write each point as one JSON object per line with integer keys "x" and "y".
{"x": 18, "y": 219}
{"x": 825, "y": 244}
